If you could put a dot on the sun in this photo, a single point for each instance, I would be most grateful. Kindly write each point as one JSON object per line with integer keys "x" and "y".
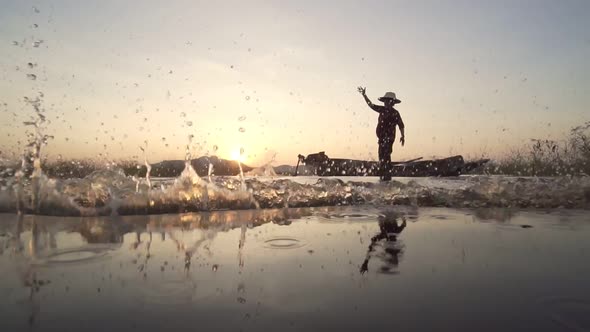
{"x": 238, "y": 155}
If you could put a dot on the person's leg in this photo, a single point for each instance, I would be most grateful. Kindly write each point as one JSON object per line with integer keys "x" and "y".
{"x": 387, "y": 150}
{"x": 382, "y": 156}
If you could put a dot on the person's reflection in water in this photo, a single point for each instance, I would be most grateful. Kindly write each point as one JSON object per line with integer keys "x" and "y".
{"x": 241, "y": 244}
{"x": 389, "y": 229}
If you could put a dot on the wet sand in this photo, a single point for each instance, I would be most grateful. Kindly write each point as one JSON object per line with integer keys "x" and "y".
{"x": 334, "y": 268}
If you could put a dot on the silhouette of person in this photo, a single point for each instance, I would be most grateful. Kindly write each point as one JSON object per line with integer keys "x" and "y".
{"x": 389, "y": 117}
{"x": 389, "y": 229}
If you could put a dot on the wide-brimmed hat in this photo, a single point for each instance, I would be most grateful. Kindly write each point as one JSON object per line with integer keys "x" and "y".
{"x": 390, "y": 95}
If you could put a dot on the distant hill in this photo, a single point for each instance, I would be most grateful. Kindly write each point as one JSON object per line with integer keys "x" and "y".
{"x": 173, "y": 168}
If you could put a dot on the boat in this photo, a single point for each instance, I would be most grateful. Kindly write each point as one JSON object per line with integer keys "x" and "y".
{"x": 326, "y": 166}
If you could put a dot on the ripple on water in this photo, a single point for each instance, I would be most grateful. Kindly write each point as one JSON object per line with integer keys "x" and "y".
{"x": 78, "y": 255}
{"x": 570, "y": 313}
{"x": 339, "y": 217}
{"x": 356, "y": 216}
{"x": 283, "y": 242}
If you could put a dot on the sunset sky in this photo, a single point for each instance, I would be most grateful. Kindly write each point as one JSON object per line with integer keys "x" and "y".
{"x": 280, "y": 77}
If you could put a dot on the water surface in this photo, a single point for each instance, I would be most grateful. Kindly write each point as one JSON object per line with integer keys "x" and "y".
{"x": 330, "y": 268}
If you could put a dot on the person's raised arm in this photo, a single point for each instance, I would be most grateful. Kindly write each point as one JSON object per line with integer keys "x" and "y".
{"x": 363, "y": 92}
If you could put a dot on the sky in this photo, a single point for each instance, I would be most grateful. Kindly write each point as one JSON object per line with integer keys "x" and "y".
{"x": 280, "y": 78}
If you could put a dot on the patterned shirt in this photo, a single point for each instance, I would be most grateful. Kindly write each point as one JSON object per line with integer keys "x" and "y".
{"x": 388, "y": 119}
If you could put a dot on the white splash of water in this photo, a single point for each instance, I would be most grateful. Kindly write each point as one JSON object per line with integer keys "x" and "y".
{"x": 147, "y": 166}
{"x": 240, "y": 166}
{"x": 37, "y": 140}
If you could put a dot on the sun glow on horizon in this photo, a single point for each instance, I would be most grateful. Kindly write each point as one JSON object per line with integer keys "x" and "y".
{"x": 238, "y": 155}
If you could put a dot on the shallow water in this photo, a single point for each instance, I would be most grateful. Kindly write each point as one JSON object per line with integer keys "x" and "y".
{"x": 306, "y": 269}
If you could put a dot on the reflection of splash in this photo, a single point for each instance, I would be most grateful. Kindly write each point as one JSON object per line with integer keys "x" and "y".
{"x": 494, "y": 214}
{"x": 27, "y": 271}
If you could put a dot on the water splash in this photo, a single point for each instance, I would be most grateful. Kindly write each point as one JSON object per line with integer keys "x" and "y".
{"x": 147, "y": 166}
{"x": 32, "y": 156}
{"x": 240, "y": 166}
{"x": 210, "y": 169}
{"x": 265, "y": 170}
{"x": 110, "y": 192}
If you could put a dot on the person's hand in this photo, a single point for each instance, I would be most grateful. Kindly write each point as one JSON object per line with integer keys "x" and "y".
{"x": 362, "y": 90}
{"x": 402, "y": 140}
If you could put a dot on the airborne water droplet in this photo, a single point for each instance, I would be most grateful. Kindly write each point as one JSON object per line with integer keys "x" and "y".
{"x": 242, "y": 118}
{"x": 247, "y": 97}
{"x": 189, "y": 123}
{"x": 242, "y": 130}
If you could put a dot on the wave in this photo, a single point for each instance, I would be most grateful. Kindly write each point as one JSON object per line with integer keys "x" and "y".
{"x": 111, "y": 192}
